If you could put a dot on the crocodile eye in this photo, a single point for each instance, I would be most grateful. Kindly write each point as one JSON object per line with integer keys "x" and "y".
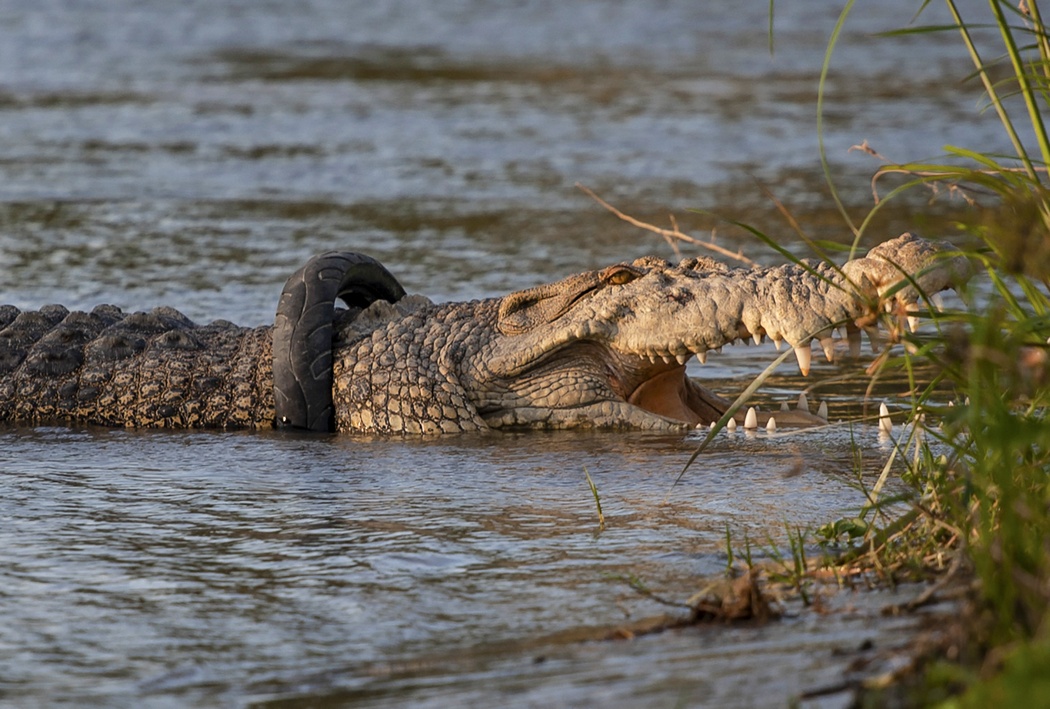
{"x": 618, "y": 275}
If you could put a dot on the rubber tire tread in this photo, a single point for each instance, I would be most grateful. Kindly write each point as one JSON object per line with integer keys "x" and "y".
{"x": 302, "y": 333}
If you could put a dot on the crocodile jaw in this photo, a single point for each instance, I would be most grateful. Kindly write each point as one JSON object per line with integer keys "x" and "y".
{"x": 585, "y": 384}
{"x": 636, "y": 325}
{"x": 626, "y": 391}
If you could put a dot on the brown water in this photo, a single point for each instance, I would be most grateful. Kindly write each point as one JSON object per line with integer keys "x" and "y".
{"x": 193, "y": 154}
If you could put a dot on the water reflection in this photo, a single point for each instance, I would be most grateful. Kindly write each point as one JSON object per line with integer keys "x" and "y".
{"x": 194, "y": 154}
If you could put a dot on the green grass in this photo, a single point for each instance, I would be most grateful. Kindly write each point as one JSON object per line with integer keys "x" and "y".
{"x": 976, "y": 466}
{"x": 978, "y": 471}
{"x": 597, "y": 500}
{"x": 981, "y": 479}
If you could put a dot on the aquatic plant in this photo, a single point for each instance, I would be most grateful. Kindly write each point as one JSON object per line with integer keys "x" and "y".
{"x": 981, "y": 475}
{"x": 597, "y": 499}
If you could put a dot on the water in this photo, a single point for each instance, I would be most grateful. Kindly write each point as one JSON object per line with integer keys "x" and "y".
{"x": 218, "y": 568}
{"x": 194, "y": 154}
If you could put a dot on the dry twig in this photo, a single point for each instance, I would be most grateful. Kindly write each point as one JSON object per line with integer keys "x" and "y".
{"x": 668, "y": 234}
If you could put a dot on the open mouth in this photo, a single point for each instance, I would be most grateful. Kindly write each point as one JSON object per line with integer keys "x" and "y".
{"x": 660, "y": 385}
{"x": 671, "y": 393}
{"x": 621, "y": 389}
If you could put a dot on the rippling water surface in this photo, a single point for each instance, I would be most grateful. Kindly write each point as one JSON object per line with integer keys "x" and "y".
{"x": 193, "y": 154}
{"x": 209, "y": 568}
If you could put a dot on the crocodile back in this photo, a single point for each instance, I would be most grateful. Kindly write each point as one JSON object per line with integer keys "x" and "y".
{"x": 145, "y": 369}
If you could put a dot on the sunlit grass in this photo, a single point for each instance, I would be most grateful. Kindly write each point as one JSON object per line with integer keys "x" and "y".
{"x": 975, "y": 456}
{"x": 980, "y": 472}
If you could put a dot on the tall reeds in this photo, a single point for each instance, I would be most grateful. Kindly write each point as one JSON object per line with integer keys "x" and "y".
{"x": 981, "y": 471}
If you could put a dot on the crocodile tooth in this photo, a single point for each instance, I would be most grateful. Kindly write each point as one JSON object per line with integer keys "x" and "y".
{"x": 829, "y": 348}
{"x": 719, "y": 349}
{"x": 776, "y": 343}
{"x": 875, "y": 337}
{"x": 712, "y": 426}
{"x": 885, "y": 423}
{"x": 853, "y": 335}
{"x": 913, "y": 321}
{"x": 702, "y": 356}
{"x": 784, "y": 406}
{"x": 751, "y": 420}
{"x": 757, "y": 337}
{"x": 731, "y": 425}
{"x": 938, "y": 302}
{"x": 666, "y": 358}
{"x": 822, "y": 410}
{"x": 804, "y": 356}
{"x": 682, "y": 358}
{"x": 803, "y": 402}
{"x": 771, "y": 425}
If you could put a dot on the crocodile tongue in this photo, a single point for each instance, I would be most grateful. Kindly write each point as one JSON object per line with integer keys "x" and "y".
{"x": 672, "y": 394}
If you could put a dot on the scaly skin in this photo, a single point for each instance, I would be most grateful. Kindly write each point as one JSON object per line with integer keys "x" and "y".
{"x": 601, "y": 349}
{"x": 605, "y": 349}
{"x": 139, "y": 370}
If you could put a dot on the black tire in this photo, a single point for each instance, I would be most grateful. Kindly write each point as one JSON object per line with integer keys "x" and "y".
{"x": 302, "y": 333}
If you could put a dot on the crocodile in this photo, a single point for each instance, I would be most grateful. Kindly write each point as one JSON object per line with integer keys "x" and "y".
{"x": 606, "y": 348}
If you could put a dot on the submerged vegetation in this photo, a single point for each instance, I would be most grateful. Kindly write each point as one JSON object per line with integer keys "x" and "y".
{"x": 977, "y": 459}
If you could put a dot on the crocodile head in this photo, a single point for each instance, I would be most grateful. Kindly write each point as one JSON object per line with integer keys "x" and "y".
{"x": 608, "y": 348}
